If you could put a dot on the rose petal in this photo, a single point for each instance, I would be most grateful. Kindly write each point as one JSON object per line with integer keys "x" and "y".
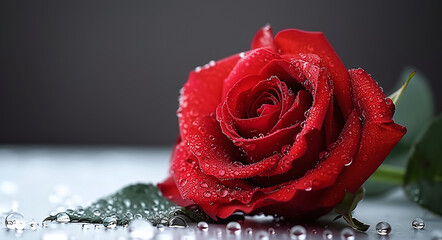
{"x": 217, "y": 156}
{"x": 293, "y": 42}
{"x": 202, "y": 92}
{"x": 264, "y": 38}
{"x": 379, "y": 135}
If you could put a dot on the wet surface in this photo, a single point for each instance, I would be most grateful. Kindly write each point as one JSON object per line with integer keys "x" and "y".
{"x": 39, "y": 181}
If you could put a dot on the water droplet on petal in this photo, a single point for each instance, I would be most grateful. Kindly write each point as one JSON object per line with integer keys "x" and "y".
{"x": 203, "y": 226}
{"x": 271, "y": 231}
{"x": 298, "y": 232}
{"x": 233, "y": 228}
{"x": 221, "y": 172}
{"x": 63, "y": 217}
{"x": 110, "y": 222}
{"x": 249, "y": 231}
{"x": 141, "y": 229}
{"x": 347, "y": 234}
{"x": 418, "y": 224}
{"x": 383, "y": 228}
{"x": 177, "y": 222}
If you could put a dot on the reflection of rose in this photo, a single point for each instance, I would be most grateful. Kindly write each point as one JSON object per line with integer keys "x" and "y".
{"x": 281, "y": 129}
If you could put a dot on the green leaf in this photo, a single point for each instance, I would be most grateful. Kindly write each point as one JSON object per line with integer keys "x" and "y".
{"x": 423, "y": 179}
{"x": 124, "y": 205}
{"x": 346, "y": 207}
{"x": 415, "y": 110}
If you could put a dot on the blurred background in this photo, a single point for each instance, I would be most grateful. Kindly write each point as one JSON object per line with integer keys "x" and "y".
{"x": 109, "y": 72}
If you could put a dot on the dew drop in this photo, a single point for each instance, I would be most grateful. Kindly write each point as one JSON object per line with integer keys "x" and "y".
{"x": 383, "y": 228}
{"x": 63, "y": 217}
{"x": 242, "y": 55}
{"x": 221, "y": 172}
{"x": 33, "y": 225}
{"x": 138, "y": 216}
{"x": 249, "y": 231}
{"x": 204, "y": 185}
{"x": 182, "y": 182}
{"x": 418, "y": 224}
{"x": 298, "y": 232}
{"x": 110, "y": 222}
{"x": 141, "y": 229}
{"x": 15, "y": 221}
{"x": 85, "y": 226}
{"x": 327, "y": 234}
{"x": 262, "y": 235}
{"x": 203, "y": 226}
{"x": 160, "y": 227}
{"x": 97, "y": 212}
{"x": 223, "y": 192}
{"x": 347, "y": 234}
{"x": 207, "y": 194}
{"x": 177, "y": 222}
{"x": 233, "y": 228}
{"x": 271, "y": 231}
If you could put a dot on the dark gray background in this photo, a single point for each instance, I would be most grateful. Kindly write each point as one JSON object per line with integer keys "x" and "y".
{"x": 109, "y": 72}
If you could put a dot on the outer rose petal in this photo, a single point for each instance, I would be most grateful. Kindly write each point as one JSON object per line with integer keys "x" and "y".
{"x": 379, "y": 135}
{"x": 202, "y": 92}
{"x": 264, "y": 38}
{"x": 293, "y": 42}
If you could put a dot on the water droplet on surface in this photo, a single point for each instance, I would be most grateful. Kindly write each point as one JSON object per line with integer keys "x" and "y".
{"x": 242, "y": 55}
{"x": 141, "y": 229}
{"x": 15, "y": 221}
{"x": 110, "y": 222}
{"x": 271, "y": 231}
{"x": 418, "y": 224}
{"x": 383, "y": 228}
{"x": 327, "y": 234}
{"x": 160, "y": 227}
{"x": 33, "y": 225}
{"x": 347, "y": 234}
{"x": 298, "y": 232}
{"x": 233, "y": 228}
{"x": 249, "y": 231}
{"x": 262, "y": 235}
{"x": 223, "y": 192}
{"x": 85, "y": 226}
{"x": 221, "y": 172}
{"x": 138, "y": 216}
{"x": 177, "y": 222}
{"x": 63, "y": 217}
{"x": 203, "y": 226}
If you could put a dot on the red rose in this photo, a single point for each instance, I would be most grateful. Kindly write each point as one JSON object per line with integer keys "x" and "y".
{"x": 282, "y": 129}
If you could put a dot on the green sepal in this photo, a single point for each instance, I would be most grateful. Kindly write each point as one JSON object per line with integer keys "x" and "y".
{"x": 346, "y": 207}
{"x": 397, "y": 94}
